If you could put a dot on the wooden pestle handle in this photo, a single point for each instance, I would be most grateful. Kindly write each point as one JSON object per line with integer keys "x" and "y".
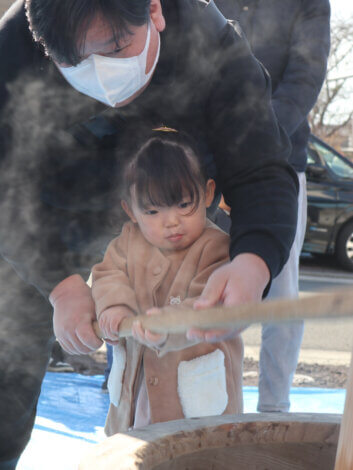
{"x": 174, "y": 320}
{"x": 344, "y": 455}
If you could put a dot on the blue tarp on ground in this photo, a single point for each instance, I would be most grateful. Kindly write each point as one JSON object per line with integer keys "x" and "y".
{"x": 72, "y": 410}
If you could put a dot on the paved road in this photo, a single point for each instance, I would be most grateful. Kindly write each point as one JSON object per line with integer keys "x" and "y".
{"x": 325, "y": 341}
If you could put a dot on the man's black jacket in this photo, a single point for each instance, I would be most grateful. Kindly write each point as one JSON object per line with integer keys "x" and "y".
{"x": 292, "y": 40}
{"x": 206, "y": 83}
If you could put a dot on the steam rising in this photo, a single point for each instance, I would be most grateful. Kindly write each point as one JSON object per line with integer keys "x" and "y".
{"x": 49, "y": 199}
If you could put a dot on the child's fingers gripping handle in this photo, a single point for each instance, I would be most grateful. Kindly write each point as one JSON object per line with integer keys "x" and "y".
{"x": 155, "y": 323}
{"x": 124, "y": 330}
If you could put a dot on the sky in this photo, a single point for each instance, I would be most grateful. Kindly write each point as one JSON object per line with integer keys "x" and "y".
{"x": 342, "y": 7}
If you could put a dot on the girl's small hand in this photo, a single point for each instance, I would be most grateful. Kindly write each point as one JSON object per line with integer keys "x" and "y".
{"x": 109, "y": 322}
{"x": 146, "y": 337}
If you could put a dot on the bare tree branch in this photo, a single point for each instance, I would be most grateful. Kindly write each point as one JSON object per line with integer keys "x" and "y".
{"x": 333, "y": 111}
{"x": 335, "y": 129}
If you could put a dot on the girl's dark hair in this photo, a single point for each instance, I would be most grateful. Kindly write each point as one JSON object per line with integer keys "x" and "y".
{"x": 165, "y": 170}
{"x": 61, "y": 25}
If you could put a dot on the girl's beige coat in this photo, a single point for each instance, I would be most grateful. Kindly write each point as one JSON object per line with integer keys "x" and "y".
{"x": 183, "y": 379}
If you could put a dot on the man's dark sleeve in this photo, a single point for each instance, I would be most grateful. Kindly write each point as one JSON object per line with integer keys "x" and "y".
{"x": 44, "y": 233}
{"x": 299, "y": 88}
{"x": 251, "y": 153}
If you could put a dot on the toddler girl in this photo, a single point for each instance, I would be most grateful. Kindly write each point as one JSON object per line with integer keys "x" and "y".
{"x": 164, "y": 256}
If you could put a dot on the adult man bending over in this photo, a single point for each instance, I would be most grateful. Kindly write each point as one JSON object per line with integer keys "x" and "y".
{"x": 72, "y": 102}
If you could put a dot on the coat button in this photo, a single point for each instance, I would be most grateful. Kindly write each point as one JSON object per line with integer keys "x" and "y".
{"x": 157, "y": 270}
{"x": 153, "y": 381}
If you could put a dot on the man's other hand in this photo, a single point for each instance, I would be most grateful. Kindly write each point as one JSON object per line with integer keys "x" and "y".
{"x": 240, "y": 281}
{"x": 74, "y": 313}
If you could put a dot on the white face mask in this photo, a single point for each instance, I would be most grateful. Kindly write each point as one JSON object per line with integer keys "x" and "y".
{"x": 111, "y": 80}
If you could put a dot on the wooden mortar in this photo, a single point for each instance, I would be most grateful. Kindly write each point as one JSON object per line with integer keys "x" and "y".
{"x": 276, "y": 441}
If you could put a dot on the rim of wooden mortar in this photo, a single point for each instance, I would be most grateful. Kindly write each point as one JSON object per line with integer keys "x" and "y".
{"x": 155, "y": 444}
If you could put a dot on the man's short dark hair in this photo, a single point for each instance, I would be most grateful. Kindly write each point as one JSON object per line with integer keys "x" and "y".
{"x": 61, "y": 25}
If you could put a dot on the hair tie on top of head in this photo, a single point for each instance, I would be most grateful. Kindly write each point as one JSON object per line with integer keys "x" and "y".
{"x": 164, "y": 129}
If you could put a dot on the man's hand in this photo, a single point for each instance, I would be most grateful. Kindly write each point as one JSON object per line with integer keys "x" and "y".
{"x": 240, "y": 281}
{"x": 74, "y": 312}
{"x": 109, "y": 322}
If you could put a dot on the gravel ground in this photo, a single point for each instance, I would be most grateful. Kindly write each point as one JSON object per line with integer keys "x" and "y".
{"x": 307, "y": 375}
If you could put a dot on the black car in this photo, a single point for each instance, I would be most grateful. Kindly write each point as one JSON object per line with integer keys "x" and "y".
{"x": 330, "y": 203}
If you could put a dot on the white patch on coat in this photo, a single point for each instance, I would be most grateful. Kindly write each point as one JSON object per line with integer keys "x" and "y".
{"x": 202, "y": 386}
{"x": 115, "y": 380}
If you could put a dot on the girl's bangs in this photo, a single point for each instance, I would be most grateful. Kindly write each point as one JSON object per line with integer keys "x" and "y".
{"x": 163, "y": 173}
{"x": 169, "y": 190}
